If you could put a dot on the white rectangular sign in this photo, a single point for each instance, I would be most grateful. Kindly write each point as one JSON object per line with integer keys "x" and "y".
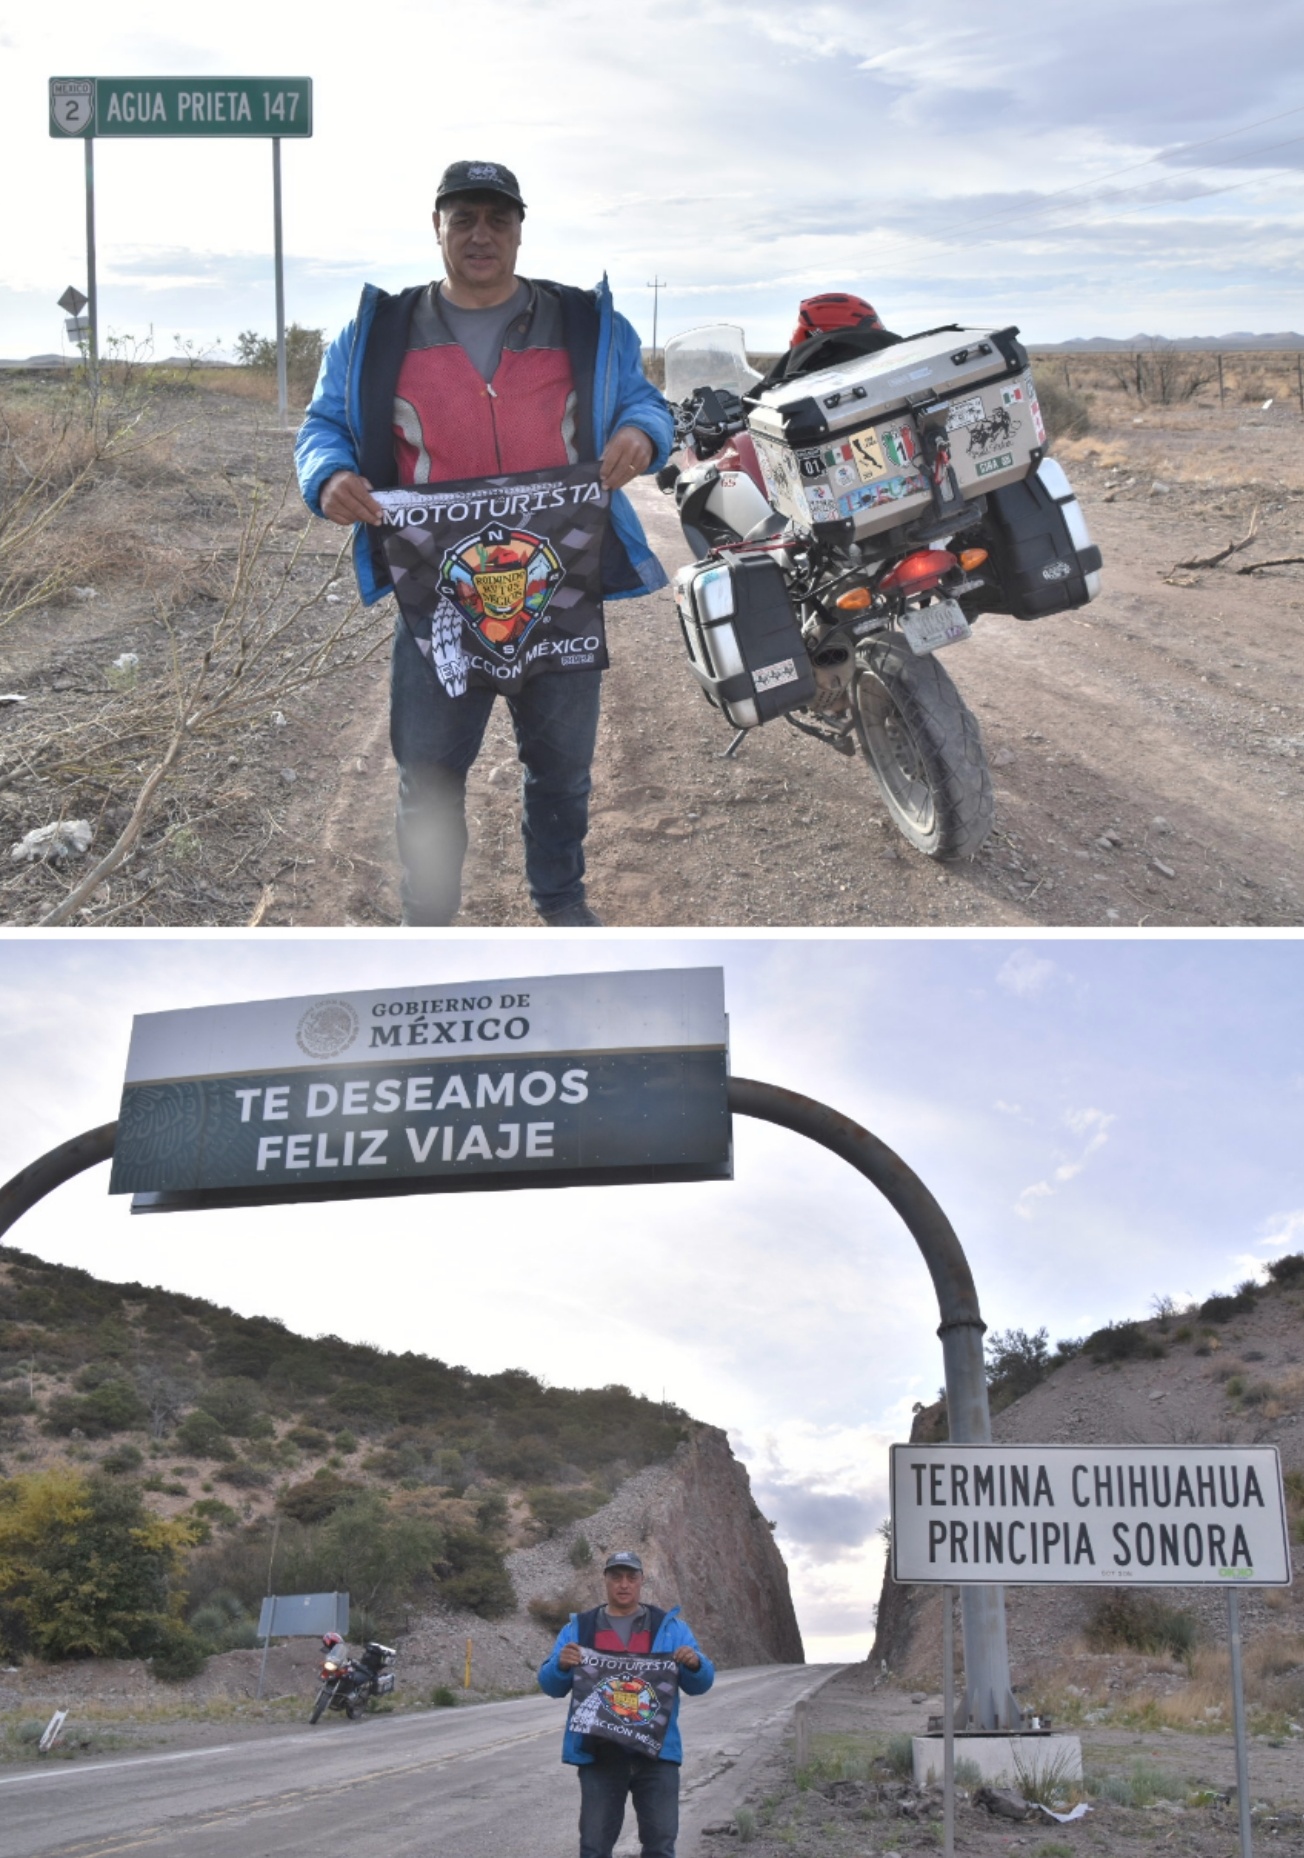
{"x": 674, "y": 1009}
{"x": 1089, "y": 1515}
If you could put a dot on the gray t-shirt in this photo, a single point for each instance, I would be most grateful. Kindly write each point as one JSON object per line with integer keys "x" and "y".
{"x": 479, "y": 332}
{"x": 623, "y": 1628}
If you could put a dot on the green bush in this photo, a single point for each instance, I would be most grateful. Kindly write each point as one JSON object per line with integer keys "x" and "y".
{"x": 1140, "y": 1623}
{"x": 85, "y": 1568}
{"x": 303, "y": 352}
{"x": 1287, "y": 1270}
{"x": 471, "y": 1573}
{"x": 580, "y": 1553}
{"x": 1016, "y": 1362}
{"x": 114, "y": 1406}
{"x": 1223, "y": 1309}
{"x": 556, "y": 1505}
{"x": 1122, "y": 1342}
{"x": 201, "y": 1434}
{"x": 181, "y": 1654}
{"x": 122, "y": 1461}
{"x": 317, "y": 1497}
{"x": 443, "y": 1698}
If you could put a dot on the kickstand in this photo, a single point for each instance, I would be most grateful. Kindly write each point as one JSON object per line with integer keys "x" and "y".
{"x": 733, "y": 747}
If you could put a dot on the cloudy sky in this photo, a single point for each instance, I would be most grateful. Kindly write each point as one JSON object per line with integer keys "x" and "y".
{"x": 1128, "y": 165}
{"x": 1104, "y": 1122}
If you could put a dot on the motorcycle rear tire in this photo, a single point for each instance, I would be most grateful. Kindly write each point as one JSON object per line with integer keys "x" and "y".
{"x": 323, "y": 1698}
{"x": 922, "y": 741}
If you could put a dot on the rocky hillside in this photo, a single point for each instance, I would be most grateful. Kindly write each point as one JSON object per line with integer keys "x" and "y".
{"x": 1227, "y": 1371}
{"x": 450, "y": 1505}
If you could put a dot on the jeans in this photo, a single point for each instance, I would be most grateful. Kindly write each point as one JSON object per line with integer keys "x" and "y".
{"x": 653, "y": 1785}
{"x": 435, "y": 739}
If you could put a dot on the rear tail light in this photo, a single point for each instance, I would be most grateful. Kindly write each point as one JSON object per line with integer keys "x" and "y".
{"x": 918, "y": 573}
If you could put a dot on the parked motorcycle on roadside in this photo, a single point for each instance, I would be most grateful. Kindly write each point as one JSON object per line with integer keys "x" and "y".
{"x": 847, "y": 525}
{"x": 350, "y": 1684}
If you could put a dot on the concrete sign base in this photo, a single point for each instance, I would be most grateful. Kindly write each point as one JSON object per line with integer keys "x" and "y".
{"x": 1001, "y": 1760}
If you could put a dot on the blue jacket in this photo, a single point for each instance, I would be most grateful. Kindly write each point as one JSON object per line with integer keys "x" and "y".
{"x": 671, "y": 1634}
{"x": 349, "y": 423}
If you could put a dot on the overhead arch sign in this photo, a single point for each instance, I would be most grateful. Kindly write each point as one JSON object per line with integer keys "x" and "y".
{"x": 561, "y": 1081}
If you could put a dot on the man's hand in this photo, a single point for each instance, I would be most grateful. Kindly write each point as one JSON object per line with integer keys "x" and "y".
{"x": 627, "y": 454}
{"x": 688, "y": 1658}
{"x": 347, "y": 498}
{"x": 571, "y": 1655}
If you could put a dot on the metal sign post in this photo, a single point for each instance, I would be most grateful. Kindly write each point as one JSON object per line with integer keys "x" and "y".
{"x": 228, "y": 107}
{"x": 1238, "y": 1714}
{"x": 92, "y": 294}
{"x": 281, "y": 395}
{"x": 948, "y": 1724}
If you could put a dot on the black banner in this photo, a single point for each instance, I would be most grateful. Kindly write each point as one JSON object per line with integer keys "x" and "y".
{"x": 521, "y": 1121}
{"x": 499, "y": 579}
{"x": 623, "y": 1699}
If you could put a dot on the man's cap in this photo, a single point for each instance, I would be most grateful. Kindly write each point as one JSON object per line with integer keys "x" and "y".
{"x": 623, "y": 1558}
{"x": 479, "y": 177}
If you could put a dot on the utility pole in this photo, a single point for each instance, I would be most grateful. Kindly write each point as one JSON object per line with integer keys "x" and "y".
{"x": 656, "y": 286}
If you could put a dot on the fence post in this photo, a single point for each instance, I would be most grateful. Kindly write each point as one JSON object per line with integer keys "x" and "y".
{"x": 801, "y": 1735}
{"x": 1222, "y": 392}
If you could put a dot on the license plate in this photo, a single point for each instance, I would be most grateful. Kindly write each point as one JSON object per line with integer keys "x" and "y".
{"x": 928, "y": 628}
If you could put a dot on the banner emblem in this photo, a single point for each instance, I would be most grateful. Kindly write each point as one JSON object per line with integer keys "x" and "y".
{"x": 502, "y": 580}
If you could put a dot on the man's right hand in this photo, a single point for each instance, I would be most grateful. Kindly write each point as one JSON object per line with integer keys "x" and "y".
{"x": 571, "y": 1655}
{"x": 347, "y": 498}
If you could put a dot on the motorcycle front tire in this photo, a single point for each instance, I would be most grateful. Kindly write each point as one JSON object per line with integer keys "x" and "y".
{"x": 923, "y": 744}
{"x": 323, "y": 1698}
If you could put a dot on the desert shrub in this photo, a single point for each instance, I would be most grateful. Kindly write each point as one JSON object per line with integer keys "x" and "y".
{"x": 554, "y": 1506}
{"x": 471, "y": 1573}
{"x": 180, "y": 1654}
{"x": 241, "y": 1474}
{"x": 203, "y": 1435}
{"x": 1141, "y": 1786}
{"x": 580, "y": 1553}
{"x": 85, "y": 1568}
{"x": 113, "y": 1406}
{"x": 1287, "y": 1270}
{"x": 15, "y": 1400}
{"x": 1016, "y": 1362}
{"x": 1140, "y": 1623}
{"x": 1066, "y": 413}
{"x": 236, "y": 1407}
{"x": 899, "y": 1755}
{"x": 222, "y": 1624}
{"x": 1122, "y": 1342}
{"x": 309, "y": 1438}
{"x": 317, "y": 1497}
{"x": 213, "y": 1512}
{"x": 122, "y": 1461}
{"x": 443, "y": 1698}
{"x": 303, "y": 353}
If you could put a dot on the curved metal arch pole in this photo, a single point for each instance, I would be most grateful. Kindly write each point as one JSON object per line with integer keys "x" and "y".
{"x": 51, "y": 1170}
{"x": 989, "y": 1702}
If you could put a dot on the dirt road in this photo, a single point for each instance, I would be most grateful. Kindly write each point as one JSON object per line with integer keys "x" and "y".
{"x": 1148, "y": 757}
{"x": 1147, "y": 752}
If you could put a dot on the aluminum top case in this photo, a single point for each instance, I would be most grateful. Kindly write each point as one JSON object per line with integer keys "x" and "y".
{"x": 906, "y": 436}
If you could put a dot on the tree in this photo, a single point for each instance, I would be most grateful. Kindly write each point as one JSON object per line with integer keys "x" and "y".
{"x": 85, "y": 1569}
{"x": 1017, "y": 1361}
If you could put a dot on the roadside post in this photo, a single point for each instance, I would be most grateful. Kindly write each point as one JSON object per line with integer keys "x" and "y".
{"x": 614, "y": 1077}
{"x": 948, "y": 1723}
{"x": 1092, "y": 1515}
{"x": 84, "y": 108}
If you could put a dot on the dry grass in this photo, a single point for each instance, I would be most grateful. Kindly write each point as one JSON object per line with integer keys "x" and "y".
{"x": 1135, "y": 1690}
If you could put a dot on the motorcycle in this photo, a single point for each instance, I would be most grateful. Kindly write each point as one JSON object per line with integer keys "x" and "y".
{"x": 835, "y": 624}
{"x": 350, "y": 1684}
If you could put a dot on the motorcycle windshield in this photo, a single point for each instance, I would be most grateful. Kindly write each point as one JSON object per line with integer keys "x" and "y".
{"x": 712, "y": 356}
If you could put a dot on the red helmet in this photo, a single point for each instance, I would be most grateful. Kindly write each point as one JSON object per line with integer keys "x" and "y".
{"x": 836, "y": 309}
{"x": 330, "y": 1640}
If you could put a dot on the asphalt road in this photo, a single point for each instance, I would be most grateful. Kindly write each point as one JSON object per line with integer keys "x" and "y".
{"x": 480, "y": 1782}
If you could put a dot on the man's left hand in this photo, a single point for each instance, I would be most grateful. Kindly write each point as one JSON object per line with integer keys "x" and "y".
{"x": 627, "y": 454}
{"x": 686, "y": 1656}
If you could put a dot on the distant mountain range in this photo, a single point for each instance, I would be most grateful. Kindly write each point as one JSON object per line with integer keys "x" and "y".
{"x": 1098, "y": 344}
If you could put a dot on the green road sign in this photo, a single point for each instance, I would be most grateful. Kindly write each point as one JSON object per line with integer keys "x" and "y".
{"x": 180, "y": 106}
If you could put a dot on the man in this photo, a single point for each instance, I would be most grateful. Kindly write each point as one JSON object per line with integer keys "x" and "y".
{"x": 608, "y": 1774}
{"x": 485, "y": 373}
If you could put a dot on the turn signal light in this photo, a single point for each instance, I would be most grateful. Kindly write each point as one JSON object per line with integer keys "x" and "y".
{"x": 918, "y": 572}
{"x": 855, "y": 600}
{"x": 971, "y": 558}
